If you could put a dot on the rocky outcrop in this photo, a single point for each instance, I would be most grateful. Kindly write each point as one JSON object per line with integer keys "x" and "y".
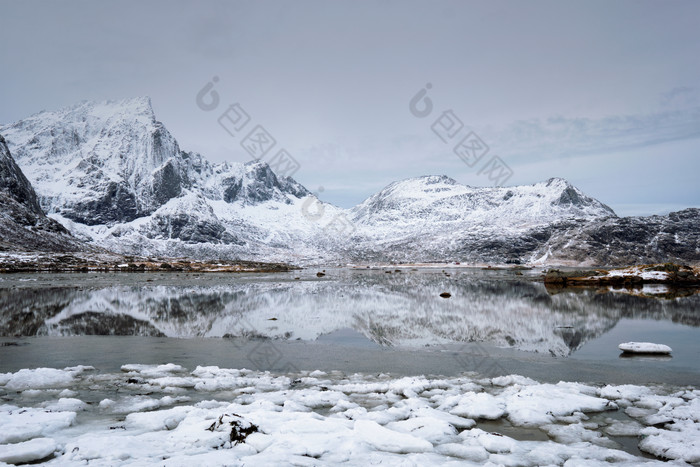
{"x": 668, "y": 273}
{"x": 623, "y": 241}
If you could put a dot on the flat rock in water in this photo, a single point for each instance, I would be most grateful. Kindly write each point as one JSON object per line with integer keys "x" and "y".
{"x": 644, "y": 347}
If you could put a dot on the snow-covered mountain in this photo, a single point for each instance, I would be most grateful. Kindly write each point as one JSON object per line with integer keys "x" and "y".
{"x": 434, "y": 201}
{"x": 113, "y": 162}
{"x": 114, "y": 176}
{"x": 442, "y": 219}
{"x": 437, "y": 219}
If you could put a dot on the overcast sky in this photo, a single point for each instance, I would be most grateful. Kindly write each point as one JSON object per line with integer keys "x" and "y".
{"x": 605, "y": 94}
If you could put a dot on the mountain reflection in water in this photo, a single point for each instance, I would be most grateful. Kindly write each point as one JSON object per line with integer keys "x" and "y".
{"x": 398, "y": 309}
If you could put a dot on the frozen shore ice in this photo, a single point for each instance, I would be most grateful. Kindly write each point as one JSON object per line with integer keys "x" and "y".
{"x": 168, "y": 415}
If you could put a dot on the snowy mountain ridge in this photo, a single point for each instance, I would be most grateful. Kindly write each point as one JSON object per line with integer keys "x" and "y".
{"x": 440, "y": 199}
{"x": 114, "y": 176}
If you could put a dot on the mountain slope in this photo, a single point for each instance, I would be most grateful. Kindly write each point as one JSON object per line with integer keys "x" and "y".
{"x": 23, "y": 225}
{"x": 98, "y": 163}
{"x": 627, "y": 240}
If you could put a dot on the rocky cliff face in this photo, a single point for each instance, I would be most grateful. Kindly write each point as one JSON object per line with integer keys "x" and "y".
{"x": 15, "y": 187}
{"x": 98, "y": 163}
{"x": 626, "y": 240}
{"x": 23, "y": 225}
{"x": 114, "y": 176}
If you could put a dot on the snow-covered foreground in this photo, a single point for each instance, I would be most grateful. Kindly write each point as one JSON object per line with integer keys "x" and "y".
{"x": 168, "y": 415}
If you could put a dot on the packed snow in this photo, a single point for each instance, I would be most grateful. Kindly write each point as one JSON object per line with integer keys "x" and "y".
{"x": 168, "y": 415}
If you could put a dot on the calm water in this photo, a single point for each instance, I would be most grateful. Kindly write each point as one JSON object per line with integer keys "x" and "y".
{"x": 495, "y": 322}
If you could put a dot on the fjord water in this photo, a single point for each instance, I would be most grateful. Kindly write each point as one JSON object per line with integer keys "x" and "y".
{"x": 372, "y": 320}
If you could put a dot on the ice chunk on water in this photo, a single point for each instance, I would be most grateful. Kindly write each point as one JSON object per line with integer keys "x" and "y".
{"x": 477, "y": 405}
{"x": 543, "y": 404}
{"x": 681, "y": 441}
{"x": 644, "y": 347}
{"x": 65, "y": 404}
{"x": 385, "y": 439}
{"x": 41, "y": 378}
{"x": 21, "y": 424}
{"x": 167, "y": 419}
{"x": 27, "y": 451}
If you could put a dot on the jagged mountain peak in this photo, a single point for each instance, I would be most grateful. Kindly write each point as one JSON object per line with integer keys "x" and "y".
{"x": 558, "y": 181}
{"x": 129, "y": 107}
{"x": 105, "y": 163}
{"x": 252, "y": 183}
{"x": 93, "y": 113}
{"x": 99, "y": 162}
{"x": 572, "y": 196}
{"x": 432, "y": 180}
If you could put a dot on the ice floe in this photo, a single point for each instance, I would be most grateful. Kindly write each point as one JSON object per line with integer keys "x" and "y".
{"x": 27, "y": 451}
{"x": 644, "y": 347}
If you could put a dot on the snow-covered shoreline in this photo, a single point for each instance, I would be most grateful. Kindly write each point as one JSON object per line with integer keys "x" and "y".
{"x": 667, "y": 273}
{"x": 169, "y": 415}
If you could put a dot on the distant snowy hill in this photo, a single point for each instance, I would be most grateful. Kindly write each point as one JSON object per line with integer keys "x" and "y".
{"x": 442, "y": 219}
{"x": 435, "y": 200}
{"x": 437, "y": 219}
{"x": 114, "y": 176}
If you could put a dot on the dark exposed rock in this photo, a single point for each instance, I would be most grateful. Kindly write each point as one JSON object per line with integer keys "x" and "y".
{"x": 629, "y": 240}
{"x": 232, "y": 187}
{"x": 677, "y": 275}
{"x": 167, "y": 183}
{"x": 23, "y": 225}
{"x": 555, "y": 276}
{"x": 14, "y": 184}
{"x": 239, "y": 428}
{"x": 117, "y": 203}
{"x": 189, "y": 228}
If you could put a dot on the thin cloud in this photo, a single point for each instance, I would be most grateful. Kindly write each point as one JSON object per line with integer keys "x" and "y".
{"x": 569, "y": 136}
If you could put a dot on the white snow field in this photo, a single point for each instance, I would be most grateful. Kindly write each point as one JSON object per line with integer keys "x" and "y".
{"x": 167, "y": 415}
